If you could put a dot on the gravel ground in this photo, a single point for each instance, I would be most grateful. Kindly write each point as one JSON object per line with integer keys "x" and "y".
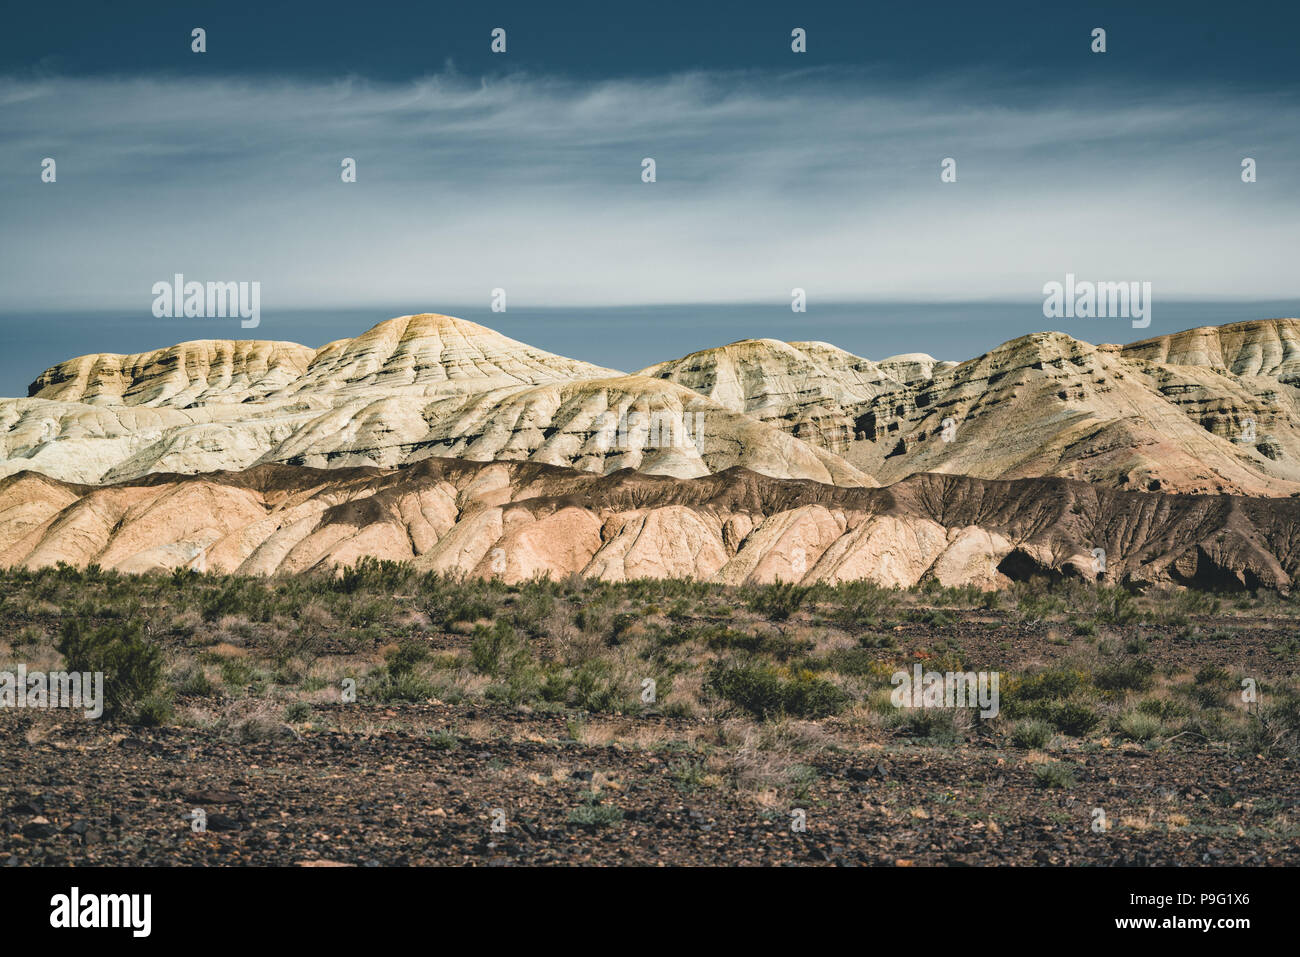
{"x": 82, "y": 793}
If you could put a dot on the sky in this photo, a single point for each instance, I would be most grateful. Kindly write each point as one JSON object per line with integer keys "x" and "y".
{"x": 522, "y": 171}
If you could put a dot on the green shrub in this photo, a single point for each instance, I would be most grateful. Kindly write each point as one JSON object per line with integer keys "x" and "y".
{"x": 1056, "y": 683}
{"x": 494, "y": 650}
{"x": 194, "y": 682}
{"x": 450, "y": 601}
{"x": 1214, "y": 676}
{"x": 780, "y": 647}
{"x": 386, "y": 686}
{"x": 877, "y": 641}
{"x": 408, "y": 654}
{"x": 236, "y": 673}
{"x": 688, "y": 775}
{"x": 297, "y": 712}
{"x": 131, "y": 665}
{"x": 778, "y": 601}
{"x": 154, "y": 711}
{"x": 372, "y": 574}
{"x": 1138, "y": 726}
{"x": 1057, "y": 774}
{"x": 1115, "y": 605}
{"x": 1166, "y": 709}
{"x": 555, "y": 686}
{"x": 621, "y": 625}
{"x": 762, "y": 692}
{"x": 1274, "y": 729}
{"x": 858, "y": 602}
{"x": 592, "y": 688}
{"x": 934, "y": 617}
{"x": 595, "y": 815}
{"x": 444, "y": 740}
{"x": 934, "y": 726}
{"x": 236, "y": 596}
{"x": 1073, "y": 719}
{"x": 1031, "y": 733}
{"x": 853, "y": 661}
{"x": 1134, "y": 675}
{"x": 807, "y": 696}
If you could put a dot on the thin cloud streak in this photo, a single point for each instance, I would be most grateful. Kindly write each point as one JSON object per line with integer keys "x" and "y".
{"x": 825, "y": 180}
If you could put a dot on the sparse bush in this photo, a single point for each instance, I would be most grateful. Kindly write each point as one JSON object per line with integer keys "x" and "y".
{"x": 259, "y": 728}
{"x": 1054, "y": 683}
{"x": 408, "y": 654}
{"x": 688, "y": 775}
{"x": 934, "y": 726}
{"x": 406, "y": 686}
{"x": 777, "y": 602}
{"x": 1138, "y": 726}
{"x": 593, "y": 814}
{"x": 1056, "y": 774}
{"x": 449, "y": 600}
{"x": 592, "y": 688}
{"x": 858, "y": 603}
{"x": 494, "y": 649}
{"x": 194, "y": 682}
{"x": 934, "y": 617}
{"x": 1165, "y": 709}
{"x": 1134, "y": 675}
{"x": 778, "y": 646}
{"x": 1275, "y": 728}
{"x": 374, "y": 575}
{"x": 762, "y": 692}
{"x": 444, "y": 740}
{"x": 236, "y": 673}
{"x": 297, "y": 712}
{"x": 853, "y": 661}
{"x": 1115, "y": 605}
{"x": 131, "y": 665}
{"x": 154, "y": 711}
{"x": 1031, "y": 733}
{"x": 1073, "y": 719}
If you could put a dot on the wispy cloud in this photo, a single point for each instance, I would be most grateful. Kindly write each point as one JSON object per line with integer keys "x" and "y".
{"x": 824, "y": 180}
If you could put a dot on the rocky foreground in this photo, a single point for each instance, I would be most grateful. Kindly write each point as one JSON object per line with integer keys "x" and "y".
{"x": 500, "y": 724}
{"x": 520, "y": 520}
{"x": 393, "y": 797}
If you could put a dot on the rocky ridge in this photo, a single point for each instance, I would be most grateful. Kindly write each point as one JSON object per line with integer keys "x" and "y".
{"x": 518, "y": 520}
{"x": 1210, "y": 410}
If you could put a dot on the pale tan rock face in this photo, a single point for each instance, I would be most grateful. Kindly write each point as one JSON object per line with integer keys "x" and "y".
{"x": 181, "y": 375}
{"x": 1050, "y": 405}
{"x": 658, "y": 543}
{"x": 802, "y": 387}
{"x": 430, "y": 355}
{"x": 1206, "y": 410}
{"x": 767, "y": 375}
{"x": 1267, "y": 347}
{"x": 408, "y": 389}
{"x": 519, "y": 520}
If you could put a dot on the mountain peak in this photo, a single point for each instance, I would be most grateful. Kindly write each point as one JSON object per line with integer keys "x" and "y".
{"x": 435, "y": 354}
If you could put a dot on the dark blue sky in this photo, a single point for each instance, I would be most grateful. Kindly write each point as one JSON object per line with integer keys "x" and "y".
{"x": 1028, "y": 43}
